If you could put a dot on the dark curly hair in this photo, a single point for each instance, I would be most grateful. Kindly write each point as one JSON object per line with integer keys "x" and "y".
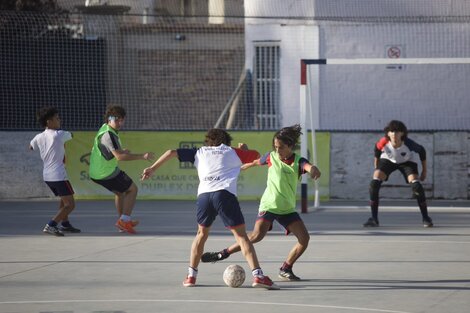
{"x": 114, "y": 110}
{"x": 216, "y": 137}
{"x": 44, "y": 114}
{"x": 289, "y": 135}
{"x": 396, "y": 126}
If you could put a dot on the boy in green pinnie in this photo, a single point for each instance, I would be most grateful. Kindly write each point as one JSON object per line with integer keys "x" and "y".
{"x": 279, "y": 199}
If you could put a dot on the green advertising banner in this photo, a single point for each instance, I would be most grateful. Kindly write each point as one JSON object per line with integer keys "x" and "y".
{"x": 175, "y": 180}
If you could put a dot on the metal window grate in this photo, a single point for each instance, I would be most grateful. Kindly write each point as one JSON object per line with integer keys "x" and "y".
{"x": 267, "y": 85}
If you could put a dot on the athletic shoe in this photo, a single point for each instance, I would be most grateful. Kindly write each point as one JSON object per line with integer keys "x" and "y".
{"x": 135, "y": 223}
{"x": 69, "y": 229}
{"x": 427, "y": 222}
{"x": 288, "y": 275}
{"x": 371, "y": 222}
{"x": 213, "y": 257}
{"x": 125, "y": 226}
{"x": 190, "y": 281}
{"x": 52, "y": 230}
{"x": 264, "y": 282}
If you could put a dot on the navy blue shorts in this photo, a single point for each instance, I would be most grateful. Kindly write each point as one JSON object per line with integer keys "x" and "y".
{"x": 119, "y": 183}
{"x": 406, "y": 169}
{"x": 285, "y": 220}
{"x": 222, "y": 203}
{"x": 60, "y": 188}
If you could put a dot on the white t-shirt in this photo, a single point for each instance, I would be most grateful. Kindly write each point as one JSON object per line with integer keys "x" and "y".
{"x": 218, "y": 169}
{"x": 51, "y": 147}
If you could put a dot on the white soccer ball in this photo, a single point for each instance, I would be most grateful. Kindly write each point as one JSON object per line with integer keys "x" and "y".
{"x": 234, "y": 276}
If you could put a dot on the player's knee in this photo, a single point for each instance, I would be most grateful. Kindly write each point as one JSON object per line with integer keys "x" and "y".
{"x": 256, "y": 236}
{"x": 374, "y": 188}
{"x": 304, "y": 240}
{"x": 69, "y": 206}
{"x": 418, "y": 189}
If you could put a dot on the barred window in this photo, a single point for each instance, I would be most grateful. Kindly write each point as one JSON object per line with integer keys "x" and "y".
{"x": 267, "y": 84}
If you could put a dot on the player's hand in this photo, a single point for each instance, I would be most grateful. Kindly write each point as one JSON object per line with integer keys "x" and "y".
{"x": 422, "y": 177}
{"x": 126, "y": 151}
{"x": 149, "y": 156}
{"x": 315, "y": 173}
{"x": 146, "y": 173}
{"x": 242, "y": 146}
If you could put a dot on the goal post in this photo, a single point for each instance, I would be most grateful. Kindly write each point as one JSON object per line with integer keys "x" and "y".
{"x": 308, "y": 97}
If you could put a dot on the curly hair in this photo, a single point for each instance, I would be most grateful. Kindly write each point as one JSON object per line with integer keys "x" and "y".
{"x": 44, "y": 114}
{"x": 114, "y": 110}
{"x": 396, "y": 126}
{"x": 289, "y": 135}
{"x": 216, "y": 137}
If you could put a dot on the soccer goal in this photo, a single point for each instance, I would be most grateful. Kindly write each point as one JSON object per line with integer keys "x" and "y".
{"x": 440, "y": 115}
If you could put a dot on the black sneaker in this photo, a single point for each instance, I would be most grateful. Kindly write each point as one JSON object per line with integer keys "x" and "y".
{"x": 371, "y": 222}
{"x": 52, "y": 230}
{"x": 427, "y": 222}
{"x": 212, "y": 257}
{"x": 288, "y": 275}
{"x": 69, "y": 229}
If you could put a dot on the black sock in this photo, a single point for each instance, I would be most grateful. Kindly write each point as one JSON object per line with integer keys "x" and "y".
{"x": 225, "y": 253}
{"x": 66, "y": 224}
{"x": 52, "y": 223}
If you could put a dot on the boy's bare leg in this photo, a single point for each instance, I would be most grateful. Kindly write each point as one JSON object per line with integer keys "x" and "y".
{"x": 300, "y": 231}
{"x": 197, "y": 248}
{"x": 244, "y": 244}
{"x": 129, "y": 199}
{"x": 66, "y": 206}
{"x": 260, "y": 231}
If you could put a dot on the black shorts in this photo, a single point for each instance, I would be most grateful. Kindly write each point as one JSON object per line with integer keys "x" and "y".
{"x": 221, "y": 202}
{"x": 60, "y": 188}
{"x": 407, "y": 168}
{"x": 118, "y": 184}
{"x": 285, "y": 220}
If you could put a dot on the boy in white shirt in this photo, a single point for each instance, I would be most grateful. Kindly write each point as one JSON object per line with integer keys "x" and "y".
{"x": 50, "y": 144}
{"x": 218, "y": 167}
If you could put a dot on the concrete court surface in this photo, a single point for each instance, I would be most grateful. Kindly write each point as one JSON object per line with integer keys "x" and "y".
{"x": 398, "y": 267}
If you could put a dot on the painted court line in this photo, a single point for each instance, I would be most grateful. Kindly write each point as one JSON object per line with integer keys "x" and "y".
{"x": 207, "y": 301}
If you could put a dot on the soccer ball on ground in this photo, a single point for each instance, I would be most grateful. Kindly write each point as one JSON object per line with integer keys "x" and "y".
{"x": 234, "y": 276}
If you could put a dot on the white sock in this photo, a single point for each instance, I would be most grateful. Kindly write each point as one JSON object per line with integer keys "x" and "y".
{"x": 192, "y": 272}
{"x": 257, "y": 272}
{"x": 125, "y": 218}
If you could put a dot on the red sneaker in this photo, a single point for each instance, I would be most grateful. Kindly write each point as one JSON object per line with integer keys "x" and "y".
{"x": 190, "y": 281}
{"x": 125, "y": 226}
{"x": 264, "y": 282}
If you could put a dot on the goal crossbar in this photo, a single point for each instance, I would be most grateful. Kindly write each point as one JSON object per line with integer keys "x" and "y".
{"x": 372, "y": 61}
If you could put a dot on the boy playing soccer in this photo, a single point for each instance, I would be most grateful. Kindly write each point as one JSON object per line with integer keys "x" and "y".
{"x": 104, "y": 170}
{"x": 218, "y": 168}
{"x": 50, "y": 144}
{"x": 395, "y": 151}
{"x": 279, "y": 199}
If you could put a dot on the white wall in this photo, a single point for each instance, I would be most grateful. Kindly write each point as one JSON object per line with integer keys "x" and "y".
{"x": 293, "y": 49}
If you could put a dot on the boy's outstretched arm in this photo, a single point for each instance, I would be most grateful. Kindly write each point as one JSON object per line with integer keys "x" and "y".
{"x": 147, "y": 172}
{"x": 312, "y": 170}
{"x": 251, "y": 164}
{"x": 126, "y": 155}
